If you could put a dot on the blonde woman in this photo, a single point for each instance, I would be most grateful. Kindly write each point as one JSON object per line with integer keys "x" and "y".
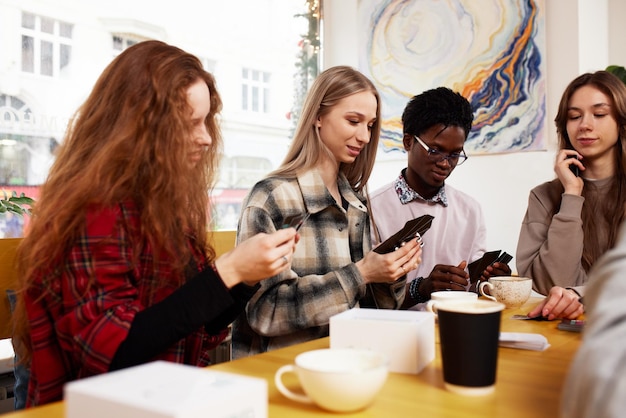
{"x": 323, "y": 175}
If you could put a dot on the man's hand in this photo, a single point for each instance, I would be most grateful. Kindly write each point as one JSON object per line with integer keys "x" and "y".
{"x": 496, "y": 269}
{"x": 444, "y": 277}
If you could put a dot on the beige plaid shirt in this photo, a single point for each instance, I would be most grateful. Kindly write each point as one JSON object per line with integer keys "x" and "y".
{"x": 295, "y": 306}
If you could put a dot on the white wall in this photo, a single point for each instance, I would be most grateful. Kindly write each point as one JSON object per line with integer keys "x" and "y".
{"x": 577, "y": 41}
{"x": 617, "y": 46}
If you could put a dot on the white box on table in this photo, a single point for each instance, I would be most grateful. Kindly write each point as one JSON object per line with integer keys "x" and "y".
{"x": 166, "y": 390}
{"x": 406, "y": 337}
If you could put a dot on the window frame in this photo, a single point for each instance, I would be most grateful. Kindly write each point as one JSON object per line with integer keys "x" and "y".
{"x": 49, "y": 39}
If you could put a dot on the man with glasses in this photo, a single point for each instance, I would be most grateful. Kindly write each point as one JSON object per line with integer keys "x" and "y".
{"x": 436, "y": 124}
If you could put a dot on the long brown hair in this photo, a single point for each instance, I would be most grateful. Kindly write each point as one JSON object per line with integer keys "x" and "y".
{"x": 129, "y": 141}
{"x": 612, "y": 207}
{"x": 307, "y": 148}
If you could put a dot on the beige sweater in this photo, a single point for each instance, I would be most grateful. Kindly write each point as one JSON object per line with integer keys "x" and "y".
{"x": 550, "y": 244}
{"x": 596, "y": 383}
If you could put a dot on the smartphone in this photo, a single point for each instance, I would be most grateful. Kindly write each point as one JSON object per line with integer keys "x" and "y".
{"x": 412, "y": 229}
{"x": 503, "y": 258}
{"x": 574, "y": 325}
{"x": 573, "y": 167}
{"x": 295, "y": 221}
{"x": 526, "y": 318}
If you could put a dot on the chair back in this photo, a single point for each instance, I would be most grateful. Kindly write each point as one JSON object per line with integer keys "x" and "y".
{"x": 8, "y": 281}
{"x": 223, "y": 241}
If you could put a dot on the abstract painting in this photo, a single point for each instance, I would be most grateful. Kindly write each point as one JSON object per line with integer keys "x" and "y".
{"x": 490, "y": 51}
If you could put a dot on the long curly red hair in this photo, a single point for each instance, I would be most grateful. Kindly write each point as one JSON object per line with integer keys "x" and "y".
{"x": 128, "y": 141}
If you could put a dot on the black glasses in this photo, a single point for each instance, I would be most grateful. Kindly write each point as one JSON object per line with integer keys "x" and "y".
{"x": 436, "y": 156}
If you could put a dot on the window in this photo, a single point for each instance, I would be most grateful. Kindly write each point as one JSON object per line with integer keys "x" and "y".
{"x": 24, "y": 158}
{"x": 208, "y": 64}
{"x": 121, "y": 42}
{"x": 255, "y": 67}
{"x": 24, "y": 155}
{"x": 237, "y": 176}
{"x": 46, "y": 45}
{"x": 255, "y": 90}
{"x": 242, "y": 171}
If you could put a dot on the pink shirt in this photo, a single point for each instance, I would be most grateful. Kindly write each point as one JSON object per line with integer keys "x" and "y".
{"x": 458, "y": 231}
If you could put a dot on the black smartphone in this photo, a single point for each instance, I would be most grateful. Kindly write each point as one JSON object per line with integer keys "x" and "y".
{"x": 503, "y": 258}
{"x": 413, "y": 229}
{"x": 476, "y": 267}
{"x": 573, "y": 325}
{"x": 573, "y": 167}
{"x": 295, "y": 221}
{"x": 527, "y": 318}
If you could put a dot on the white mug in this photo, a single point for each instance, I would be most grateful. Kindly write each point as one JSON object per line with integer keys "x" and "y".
{"x": 447, "y": 296}
{"x": 512, "y": 291}
{"x": 336, "y": 379}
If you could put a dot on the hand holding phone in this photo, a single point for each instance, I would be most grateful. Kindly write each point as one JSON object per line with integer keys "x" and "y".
{"x": 477, "y": 267}
{"x": 413, "y": 229}
{"x": 503, "y": 258}
{"x": 573, "y": 167}
{"x": 295, "y": 221}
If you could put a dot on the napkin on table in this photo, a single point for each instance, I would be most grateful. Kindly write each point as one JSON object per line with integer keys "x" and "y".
{"x": 524, "y": 341}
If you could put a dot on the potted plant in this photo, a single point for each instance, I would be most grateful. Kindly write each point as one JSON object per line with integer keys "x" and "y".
{"x": 617, "y": 70}
{"x": 19, "y": 205}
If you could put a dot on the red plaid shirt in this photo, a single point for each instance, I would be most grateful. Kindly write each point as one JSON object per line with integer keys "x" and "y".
{"x": 81, "y": 311}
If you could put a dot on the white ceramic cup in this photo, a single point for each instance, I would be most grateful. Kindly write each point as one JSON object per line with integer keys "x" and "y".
{"x": 512, "y": 291}
{"x": 448, "y": 296}
{"x": 336, "y": 379}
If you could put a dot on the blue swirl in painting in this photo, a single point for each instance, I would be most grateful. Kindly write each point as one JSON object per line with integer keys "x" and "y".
{"x": 490, "y": 51}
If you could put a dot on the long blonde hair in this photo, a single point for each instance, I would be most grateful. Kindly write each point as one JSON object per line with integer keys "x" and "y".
{"x": 307, "y": 148}
{"x": 129, "y": 141}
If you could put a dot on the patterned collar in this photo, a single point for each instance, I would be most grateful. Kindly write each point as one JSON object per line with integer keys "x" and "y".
{"x": 406, "y": 194}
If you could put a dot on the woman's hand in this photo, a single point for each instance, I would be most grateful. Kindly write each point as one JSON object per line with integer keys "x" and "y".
{"x": 257, "y": 258}
{"x": 571, "y": 183}
{"x": 560, "y": 303}
{"x": 387, "y": 268}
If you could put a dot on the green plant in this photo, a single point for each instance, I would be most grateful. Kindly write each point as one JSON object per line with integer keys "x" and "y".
{"x": 17, "y": 204}
{"x": 617, "y": 70}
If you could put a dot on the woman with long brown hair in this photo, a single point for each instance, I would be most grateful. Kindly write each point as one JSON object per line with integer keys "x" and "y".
{"x": 573, "y": 220}
{"x": 116, "y": 268}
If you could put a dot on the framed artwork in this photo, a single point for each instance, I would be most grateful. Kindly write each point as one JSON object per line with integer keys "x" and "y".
{"x": 490, "y": 51}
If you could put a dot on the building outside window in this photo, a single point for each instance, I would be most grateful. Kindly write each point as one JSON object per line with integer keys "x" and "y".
{"x": 208, "y": 64}
{"x": 54, "y": 52}
{"x": 255, "y": 90}
{"x": 121, "y": 42}
{"x": 46, "y": 44}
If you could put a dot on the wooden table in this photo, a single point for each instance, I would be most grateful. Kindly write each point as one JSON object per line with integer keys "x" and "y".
{"x": 528, "y": 383}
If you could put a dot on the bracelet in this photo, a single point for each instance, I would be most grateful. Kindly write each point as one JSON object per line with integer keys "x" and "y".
{"x": 414, "y": 290}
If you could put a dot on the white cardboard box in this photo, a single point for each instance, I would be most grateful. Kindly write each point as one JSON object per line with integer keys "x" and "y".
{"x": 166, "y": 390}
{"x": 406, "y": 337}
